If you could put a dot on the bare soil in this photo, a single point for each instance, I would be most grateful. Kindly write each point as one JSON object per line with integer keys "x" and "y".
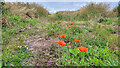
{"x": 44, "y": 50}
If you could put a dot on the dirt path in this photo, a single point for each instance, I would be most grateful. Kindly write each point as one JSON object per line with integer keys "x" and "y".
{"x": 44, "y": 50}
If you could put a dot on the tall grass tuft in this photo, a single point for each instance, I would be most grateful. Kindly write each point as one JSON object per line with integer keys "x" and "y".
{"x": 25, "y": 9}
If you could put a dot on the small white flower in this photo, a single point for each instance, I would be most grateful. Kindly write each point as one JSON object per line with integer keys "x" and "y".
{"x": 27, "y": 47}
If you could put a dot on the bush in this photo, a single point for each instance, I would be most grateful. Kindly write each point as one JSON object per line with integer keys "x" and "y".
{"x": 102, "y": 20}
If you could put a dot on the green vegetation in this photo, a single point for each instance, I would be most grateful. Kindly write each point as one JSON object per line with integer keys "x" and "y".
{"x": 98, "y": 34}
{"x": 14, "y": 49}
{"x": 99, "y": 47}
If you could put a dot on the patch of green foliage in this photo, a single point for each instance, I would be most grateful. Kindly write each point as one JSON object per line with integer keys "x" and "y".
{"x": 14, "y": 51}
{"x": 99, "y": 47}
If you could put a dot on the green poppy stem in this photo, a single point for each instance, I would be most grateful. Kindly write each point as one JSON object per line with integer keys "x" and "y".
{"x": 75, "y": 43}
{"x": 59, "y": 54}
{"x": 82, "y": 58}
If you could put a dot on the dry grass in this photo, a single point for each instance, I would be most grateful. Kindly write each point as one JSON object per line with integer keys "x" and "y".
{"x": 88, "y": 12}
{"x": 26, "y": 10}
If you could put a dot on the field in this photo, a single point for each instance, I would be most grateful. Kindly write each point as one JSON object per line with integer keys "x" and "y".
{"x": 62, "y": 39}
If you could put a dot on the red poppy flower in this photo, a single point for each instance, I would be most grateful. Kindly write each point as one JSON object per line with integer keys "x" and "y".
{"x": 83, "y": 49}
{"x": 69, "y": 26}
{"x": 61, "y": 43}
{"x": 63, "y": 36}
{"x": 77, "y": 41}
{"x": 58, "y": 23}
{"x": 98, "y": 8}
{"x": 83, "y": 23}
{"x": 66, "y": 28}
{"x": 71, "y": 23}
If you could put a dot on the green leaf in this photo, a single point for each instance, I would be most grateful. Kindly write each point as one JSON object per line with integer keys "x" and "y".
{"x": 96, "y": 61}
{"x": 100, "y": 61}
{"x": 76, "y": 51}
{"x": 71, "y": 51}
{"x": 107, "y": 44}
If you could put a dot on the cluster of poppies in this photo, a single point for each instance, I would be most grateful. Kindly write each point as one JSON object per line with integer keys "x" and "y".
{"x": 82, "y": 49}
{"x": 70, "y": 24}
{"x": 62, "y": 42}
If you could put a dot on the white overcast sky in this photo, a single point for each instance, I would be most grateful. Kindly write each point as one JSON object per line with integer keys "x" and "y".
{"x": 60, "y": 5}
{"x": 53, "y": 7}
{"x": 61, "y": 0}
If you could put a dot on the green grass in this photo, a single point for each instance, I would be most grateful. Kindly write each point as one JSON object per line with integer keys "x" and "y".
{"x": 14, "y": 53}
{"x": 98, "y": 54}
{"x": 99, "y": 47}
{"x": 100, "y": 40}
